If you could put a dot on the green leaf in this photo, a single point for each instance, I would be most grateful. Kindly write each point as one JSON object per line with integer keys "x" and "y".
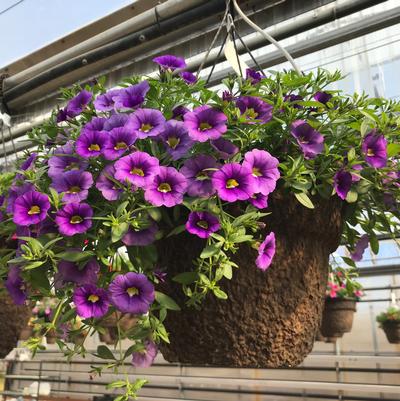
{"x": 352, "y": 196}
{"x": 121, "y": 208}
{"x": 227, "y": 271}
{"x": 219, "y": 293}
{"x": 104, "y": 352}
{"x": 75, "y": 256}
{"x": 116, "y": 384}
{"x": 349, "y": 261}
{"x": 304, "y": 200}
{"x": 155, "y": 213}
{"x": 351, "y": 154}
{"x": 177, "y": 230}
{"x": 186, "y": 278}
{"x": 166, "y": 301}
{"x": 210, "y": 250}
{"x": 393, "y": 149}
{"x": 117, "y": 232}
{"x": 374, "y": 243}
{"x": 34, "y": 265}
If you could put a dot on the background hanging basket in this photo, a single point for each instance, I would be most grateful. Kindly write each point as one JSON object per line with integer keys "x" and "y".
{"x": 109, "y": 326}
{"x": 268, "y": 320}
{"x": 392, "y": 331}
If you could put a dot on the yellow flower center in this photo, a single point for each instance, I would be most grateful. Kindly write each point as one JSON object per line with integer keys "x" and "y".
{"x": 34, "y": 210}
{"x": 173, "y": 142}
{"x": 204, "y": 126}
{"x": 74, "y": 190}
{"x": 76, "y": 220}
{"x": 303, "y": 140}
{"x": 164, "y": 187}
{"x": 251, "y": 113}
{"x": 202, "y": 224}
{"x": 232, "y": 183}
{"x": 146, "y": 127}
{"x": 202, "y": 175}
{"x": 94, "y": 147}
{"x": 93, "y": 298}
{"x": 132, "y": 291}
{"x": 120, "y": 145}
{"x": 370, "y": 152}
{"x": 256, "y": 172}
{"x": 72, "y": 166}
{"x": 137, "y": 171}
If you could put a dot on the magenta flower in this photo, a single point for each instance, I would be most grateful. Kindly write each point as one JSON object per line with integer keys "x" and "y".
{"x": 74, "y": 184}
{"x": 132, "y": 96}
{"x": 233, "y": 182}
{"x": 198, "y": 172}
{"x": 205, "y": 122}
{"x": 356, "y": 177}
{"x": 138, "y": 168}
{"x": 170, "y": 62}
{"x": 90, "y": 301}
{"x": 176, "y": 139}
{"x": 145, "y": 357}
{"x": 333, "y": 289}
{"x": 105, "y": 102}
{"x": 91, "y": 143}
{"x": 188, "y": 77}
{"x": 322, "y": 97}
{"x": 259, "y": 201}
{"x": 166, "y": 188}
{"x": 254, "y": 109}
{"x": 178, "y": 112}
{"x": 310, "y": 141}
{"x": 266, "y": 252}
{"x": 76, "y": 105}
{"x": 106, "y": 185}
{"x": 146, "y": 123}
{"x": 115, "y": 121}
{"x": 360, "y": 248}
{"x": 141, "y": 237}
{"x": 374, "y": 148}
{"x": 254, "y": 76}
{"x": 17, "y": 189}
{"x": 74, "y": 218}
{"x": 70, "y": 272}
{"x": 16, "y": 286}
{"x": 131, "y": 293}
{"x": 342, "y": 183}
{"x": 225, "y": 148}
{"x": 119, "y": 142}
{"x": 202, "y": 224}
{"x": 264, "y": 168}
{"x": 30, "y": 208}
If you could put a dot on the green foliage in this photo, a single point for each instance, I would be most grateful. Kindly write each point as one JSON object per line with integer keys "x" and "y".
{"x": 392, "y": 314}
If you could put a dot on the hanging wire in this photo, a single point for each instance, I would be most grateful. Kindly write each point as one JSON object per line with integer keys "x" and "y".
{"x": 4, "y": 145}
{"x": 231, "y": 29}
{"x": 219, "y": 53}
{"x": 12, "y": 143}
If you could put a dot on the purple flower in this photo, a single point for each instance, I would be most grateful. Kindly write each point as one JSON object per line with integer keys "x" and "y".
{"x": 259, "y": 201}
{"x": 15, "y": 191}
{"x": 61, "y": 115}
{"x": 225, "y": 148}
{"x": 91, "y": 143}
{"x": 188, "y": 77}
{"x": 63, "y": 161}
{"x": 30, "y": 208}
{"x": 322, "y": 97}
{"x": 138, "y": 168}
{"x": 115, "y": 121}
{"x": 198, "y": 172}
{"x": 105, "y": 102}
{"x": 29, "y": 162}
{"x": 233, "y": 182}
{"x": 266, "y": 252}
{"x": 74, "y": 184}
{"x": 160, "y": 275}
{"x": 146, "y": 123}
{"x": 95, "y": 124}
{"x": 74, "y": 218}
{"x": 145, "y": 357}
{"x": 70, "y": 272}
{"x": 76, "y": 105}
{"x": 131, "y": 293}
{"x": 202, "y": 224}
{"x": 120, "y": 140}
{"x": 254, "y": 109}
{"x": 132, "y": 96}
{"x": 227, "y": 96}
{"x": 264, "y": 168}
{"x": 106, "y": 185}
{"x": 374, "y": 148}
{"x": 360, "y": 247}
{"x": 169, "y": 62}
{"x": 15, "y": 286}
{"x": 205, "y": 122}
{"x": 167, "y": 188}
{"x": 178, "y": 112}
{"x": 141, "y": 237}
{"x": 310, "y": 140}
{"x": 176, "y": 139}
{"x": 90, "y": 301}
{"x": 342, "y": 183}
{"x": 254, "y": 76}
{"x": 356, "y": 177}
{"x": 294, "y": 99}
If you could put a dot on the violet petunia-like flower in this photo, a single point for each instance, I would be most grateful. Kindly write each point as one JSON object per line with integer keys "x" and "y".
{"x": 132, "y": 96}
{"x": 310, "y": 141}
{"x": 141, "y": 237}
{"x": 356, "y": 177}
{"x": 30, "y": 208}
{"x": 254, "y": 76}
{"x": 70, "y": 272}
{"x": 138, "y": 168}
{"x": 259, "y": 201}
{"x": 266, "y": 252}
{"x": 76, "y": 105}
{"x": 91, "y": 143}
{"x": 17, "y": 189}
{"x": 198, "y": 172}
{"x": 374, "y": 148}
{"x": 90, "y": 301}
{"x": 29, "y": 162}
{"x": 234, "y": 182}
{"x": 226, "y": 149}
{"x": 227, "y": 96}
{"x": 63, "y": 160}
{"x": 170, "y": 63}
{"x": 322, "y": 97}
{"x": 360, "y": 248}
{"x": 145, "y": 358}
{"x": 16, "y": 286}
{"x": 264, "y": 168}
{"x": 205, "y": 122}
{"x": 342, "y": 183}
{"x": 106, "y": 185}
{"x": 74, "y": 218}
{"x": 74, "y": 184}
{"x": 178, "y": 112}
{"x": 166, "y": 188}
{"x": 188, "y": 77}
{"x": 254, "y": 109}
{"x": 119, "y": 142}
{"x": 105, "y": 102}
{"x": 202, "y": 224}
{"x": 131, "y": 293}
{"x": 176, "y": 139}
{"x": 115, "y": 121}
{"x": 146, "y": 123}
{"x": 294, "y": 99}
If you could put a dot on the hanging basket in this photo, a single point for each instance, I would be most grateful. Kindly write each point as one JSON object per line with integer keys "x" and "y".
{"x": 392, "y": 331}
{"x": 337, "y": 318}
{"x": 110, "y": 330}
{"x": 270, "y": 318}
